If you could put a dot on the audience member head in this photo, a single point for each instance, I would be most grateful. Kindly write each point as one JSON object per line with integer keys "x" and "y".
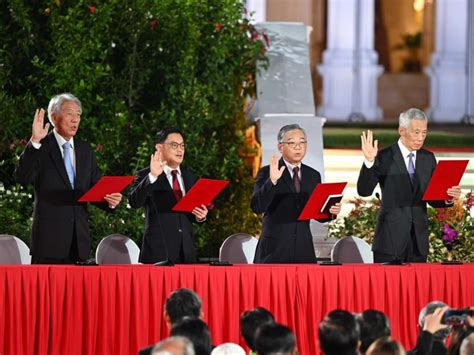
{"x": 441, "y": 334}
{"x": 467, "y": 345}
{"x": 373, "y": 325}
{"x": 386, "y": 346}
{"x": 197, "y": 331}
{"x": 274, "y": 338}
{"x": 251, "y": 320}
{"x": 181, "y": 303}
{"x": 174, "y": 346}
{"x": 228, "y": 349}
{"x": 339, "y": 333}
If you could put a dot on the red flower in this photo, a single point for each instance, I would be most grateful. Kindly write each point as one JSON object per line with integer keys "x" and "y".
{"x": 153, "y": 24}
{"x": 99, "y": 147}
{"x": 92, "y": 9}
{"x": 265, "y": 38}
{"x": 23, "y": 141}
{"x": 217, "y": 26}
{"x": 253, "y": 34}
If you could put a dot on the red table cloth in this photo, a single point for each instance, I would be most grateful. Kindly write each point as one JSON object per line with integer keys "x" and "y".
{"x": 119, "y": 309}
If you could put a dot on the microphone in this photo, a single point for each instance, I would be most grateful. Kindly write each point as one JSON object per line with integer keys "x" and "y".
{"x": 396, "y": 260}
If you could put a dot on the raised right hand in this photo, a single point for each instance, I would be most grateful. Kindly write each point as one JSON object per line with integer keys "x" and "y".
{"x": 369, "y": 146}
{"x": 156, "y": 163}
{"x": 275, "y": 173}
{"x": 433, "y": 321}
{"x": 39, "y": 131}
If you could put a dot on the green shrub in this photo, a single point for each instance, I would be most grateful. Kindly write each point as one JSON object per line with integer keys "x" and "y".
{"x": 137, "y": 66}
{"x": 456, "y": 220}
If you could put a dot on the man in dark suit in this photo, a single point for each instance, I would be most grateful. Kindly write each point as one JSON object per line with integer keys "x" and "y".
{"x": 403, "y": 171}
{"x": 168, "y": 234}
{"x": 280, "y": 193}
{"x": 61, "y": 170}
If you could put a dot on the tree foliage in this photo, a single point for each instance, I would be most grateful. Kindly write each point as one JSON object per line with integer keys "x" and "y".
{"x": 137, "y": 66}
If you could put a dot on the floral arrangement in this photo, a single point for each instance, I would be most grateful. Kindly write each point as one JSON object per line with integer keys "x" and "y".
{"x": 451, "y": 231}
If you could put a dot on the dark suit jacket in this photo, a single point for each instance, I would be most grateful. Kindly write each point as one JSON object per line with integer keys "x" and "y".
{"x": 57, "y": 214}
{"x": 402, "y": 206}
{"x": 284, "y": 239}
{"x": 166, "y": 232}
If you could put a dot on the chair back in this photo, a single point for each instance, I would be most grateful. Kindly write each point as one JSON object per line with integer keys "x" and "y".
{"x": 239, "y": 248}
{"x": 352, "y": 250}
{"x": 117, "y": 249}
{"x": 13, "y": 250}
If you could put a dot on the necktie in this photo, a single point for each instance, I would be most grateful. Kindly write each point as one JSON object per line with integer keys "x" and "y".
{"x": 296, "y": 179}
{"x": 68, "y": 163}
{"x": 411, "y": 168}
{"x": 176, "y": 188}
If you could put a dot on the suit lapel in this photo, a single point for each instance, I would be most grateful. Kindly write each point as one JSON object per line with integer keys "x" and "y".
{"x": 57, "y": 158}
{"x": 306, "y": 184}
{"x": 187, "y": 180}
{"x": 421, "y": 169}
{"x": 287, "y": 176}
{"x": 400, "y": 163}
{"x": 80, "y": 163}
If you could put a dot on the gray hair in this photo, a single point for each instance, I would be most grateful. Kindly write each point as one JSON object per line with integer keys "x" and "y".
{"x": 161, "y": 348}
{"x": 441, "y": 334}
{"x": 411, "y": 114}
{"x": 57, "y": 101}
{"x": 285, "y": 129}
{"x": 228, "y": 349}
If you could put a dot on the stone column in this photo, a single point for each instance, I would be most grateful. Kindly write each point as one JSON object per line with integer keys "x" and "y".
{"x": 448, "y": 64}
{"x": 469, "y": 111}
{"x": 258, "y": 8}
{"x": 350, "y": 68}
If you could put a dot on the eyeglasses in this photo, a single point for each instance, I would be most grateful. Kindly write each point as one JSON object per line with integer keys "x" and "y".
{"x": 175, "y": 145}
{"x": 293, "y": 145}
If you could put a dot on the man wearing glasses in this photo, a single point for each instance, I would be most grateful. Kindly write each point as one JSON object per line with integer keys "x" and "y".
{"x": 168, "y": 234}
{"x": 280, "y": 193}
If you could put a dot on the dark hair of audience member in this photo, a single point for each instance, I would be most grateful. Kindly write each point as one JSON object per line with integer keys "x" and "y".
{"x": 182, "y": 303}
{"x": 197, "y": 331}
{"x": 161, "y": 136}
{"x": 274, "y": 338}
{"x": 386, "y": 346}
{"x": 251, "y": 320}
{"x": 373, "y": 324}
{"x": 339, "y": 333}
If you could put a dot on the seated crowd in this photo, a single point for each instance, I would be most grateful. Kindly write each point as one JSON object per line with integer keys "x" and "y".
{"x": 340, "y": 332}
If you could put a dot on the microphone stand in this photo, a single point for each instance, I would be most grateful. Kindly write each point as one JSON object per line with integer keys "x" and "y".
{"x": 396, "y": 260}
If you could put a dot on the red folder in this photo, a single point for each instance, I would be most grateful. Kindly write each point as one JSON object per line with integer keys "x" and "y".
{"x": 448, "y": 173}
{"x": 202, "y": 193}
{"x": 106, "y": 185}
{"x": 318, "y": 197}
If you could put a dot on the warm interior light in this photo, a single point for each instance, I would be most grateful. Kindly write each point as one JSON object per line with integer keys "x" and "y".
{"x": 418, "y": 5}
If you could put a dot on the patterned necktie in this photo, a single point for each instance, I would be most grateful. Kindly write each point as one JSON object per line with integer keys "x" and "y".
{"x": 68, "y": 163}
{"x": 296, "y": 179}
{"x": 411, "y": 168}
{"x": 176, "y": 188}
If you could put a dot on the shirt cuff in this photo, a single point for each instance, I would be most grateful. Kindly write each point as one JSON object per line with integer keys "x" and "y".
{"x": 35, "y": 145}
{"x": 368, "y": 164}
{"x": 152, "y": 178}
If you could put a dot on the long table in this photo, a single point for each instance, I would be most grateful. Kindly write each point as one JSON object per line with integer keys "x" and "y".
{"x": 119, "y": 309}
